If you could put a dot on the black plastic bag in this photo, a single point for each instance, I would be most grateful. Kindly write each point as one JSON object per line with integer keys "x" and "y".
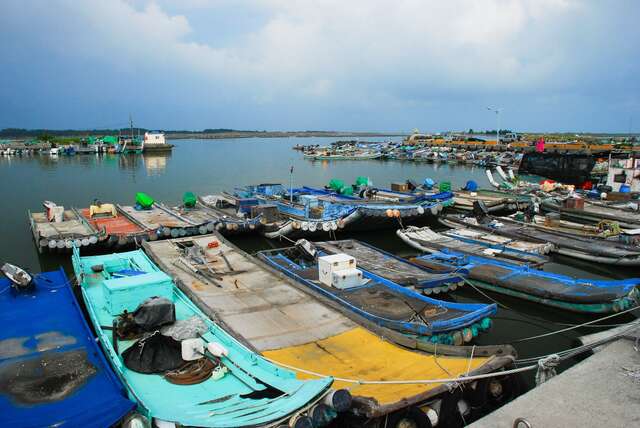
{"x": 154, "y": 312}
{"x": 154, "y": 354}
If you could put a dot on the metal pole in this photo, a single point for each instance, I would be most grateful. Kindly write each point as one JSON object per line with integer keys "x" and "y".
{"x": 498, "y": 130}
{"x": 291, "y": 184}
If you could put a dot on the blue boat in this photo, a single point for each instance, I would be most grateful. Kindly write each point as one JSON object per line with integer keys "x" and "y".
{"x": 308, "y": 211}
{"x": 243, "y": 389}
{"x": 52, "y": 372}
{"x": 551, "y": 289}
{"x": 395, "y": 268}
{"x": 385, "y": 302}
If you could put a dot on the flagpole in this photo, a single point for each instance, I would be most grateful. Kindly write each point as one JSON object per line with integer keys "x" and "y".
{"x": 291, "y": 184}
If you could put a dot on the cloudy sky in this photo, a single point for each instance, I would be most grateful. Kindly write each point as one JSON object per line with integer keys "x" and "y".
{"x": 396, "y": 65}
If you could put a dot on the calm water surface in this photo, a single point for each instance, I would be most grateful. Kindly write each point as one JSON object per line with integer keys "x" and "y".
{"x": 208, "y": 166}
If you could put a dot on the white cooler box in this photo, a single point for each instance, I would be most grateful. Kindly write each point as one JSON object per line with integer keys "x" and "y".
{"x": 335, "y": 262}
{"x": 346, "y": 278}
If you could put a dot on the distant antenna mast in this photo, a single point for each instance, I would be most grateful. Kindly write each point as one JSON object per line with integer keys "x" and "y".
{"x": 131, "y": 126}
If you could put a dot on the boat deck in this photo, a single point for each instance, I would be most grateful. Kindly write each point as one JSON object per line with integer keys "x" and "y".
{"x": 119, "y": 225}
{"x": 154, "y": 218}
{"x": 71, "y": 226}
{"x": 287, "y": 325}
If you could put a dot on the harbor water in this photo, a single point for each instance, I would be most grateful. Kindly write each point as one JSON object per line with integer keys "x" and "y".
{"x": 210, "y": 166}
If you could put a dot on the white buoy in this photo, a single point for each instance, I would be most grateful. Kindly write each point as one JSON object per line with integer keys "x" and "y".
{"x": 334, "y": 226}
{"x": 60, "y": 244}
{"x": 501, "y": 172}
{"x": 68, "y": 244}
{"x": 326, "y": 227}
{"x": 312, "y": 227}
{"x": 93, "y": 239}
{"x": 85, "y": 242}
{"x": 420, "y": 210}
{"x": 491, "y": 180}
{"x": 77, "y": 242}
{"x": 305, "y": 226}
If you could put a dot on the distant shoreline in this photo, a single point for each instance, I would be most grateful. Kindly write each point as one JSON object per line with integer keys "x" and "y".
{"x": 276, "y": 134}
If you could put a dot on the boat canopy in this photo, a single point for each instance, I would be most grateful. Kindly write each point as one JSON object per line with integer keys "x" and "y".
{"x": 52, "y": 372}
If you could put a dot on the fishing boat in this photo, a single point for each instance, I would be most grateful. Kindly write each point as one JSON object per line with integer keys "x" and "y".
{"x": 392, "y": 267}
{"x": 579, "y": 247}
{"x": 291, "y": 324}
{"x": 380, "y": 300}
{"x": 59, "y": 229}
{"x": 121, "y": 231}
{"x": 309, "y": 211}
{"x": 546, "y": 288}
{"x": 365, "y": 155}
{"x": 494, "y": 200}
{"x": 234, "y": 216}
{"x": 152, "y": 215}
{"x": 181, "y": 367}
{"x": 474, "y": 242}
{"x": 52, "y": 372}
{"x": 583, "y": 210}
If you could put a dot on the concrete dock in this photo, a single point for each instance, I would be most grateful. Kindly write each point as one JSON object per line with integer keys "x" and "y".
{"x": 601, "y": 391}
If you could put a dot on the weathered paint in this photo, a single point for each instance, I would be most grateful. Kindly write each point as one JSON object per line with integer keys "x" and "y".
{"x": 361, "y": 355}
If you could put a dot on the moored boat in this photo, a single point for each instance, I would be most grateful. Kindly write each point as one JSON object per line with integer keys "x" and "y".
{"x": 121, "y": 231}
{"x": 545, "y": 288}
{"x": 475, "y": 243}
{"x": 59, "y": 229}
{"x": 180, "y": 366}
{"x": 309, "y": 211}
{"x": 580, "y": 247}
{"x": 583, "y": 210}
{"x": 152, "y": 215}
{"x": 52, "y": 372}
{"x": 291, "y": 324}
{"x": 380, "y": 300}
{"x": 233, "y": 216}
{"x": 392, "y": 267}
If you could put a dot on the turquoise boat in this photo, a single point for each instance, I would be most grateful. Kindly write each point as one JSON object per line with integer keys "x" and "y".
{"x": 243, "y": 390}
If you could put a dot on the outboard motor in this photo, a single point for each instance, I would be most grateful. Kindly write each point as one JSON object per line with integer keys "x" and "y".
{"x": 480, "y": 211}
{"x": 307, "y": 249}
{"x": 20, "y": 279}
{"x": 412, "y": 185}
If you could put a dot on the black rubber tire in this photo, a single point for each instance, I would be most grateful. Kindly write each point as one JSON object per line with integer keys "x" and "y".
{"x": 411, "y": 415}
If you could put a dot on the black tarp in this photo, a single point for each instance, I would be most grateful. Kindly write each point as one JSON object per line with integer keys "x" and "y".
{"x": 566, "y": 168}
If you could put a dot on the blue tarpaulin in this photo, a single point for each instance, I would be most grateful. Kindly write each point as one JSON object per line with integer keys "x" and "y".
{"x": 52, "y": 372}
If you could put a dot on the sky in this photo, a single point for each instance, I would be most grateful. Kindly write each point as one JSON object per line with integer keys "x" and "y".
{"x": 361, "y": 65}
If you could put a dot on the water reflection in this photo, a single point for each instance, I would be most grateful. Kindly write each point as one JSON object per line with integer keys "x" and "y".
{"x": 156, "y": 163}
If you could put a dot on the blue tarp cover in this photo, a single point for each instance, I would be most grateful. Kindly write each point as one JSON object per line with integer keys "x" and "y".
{"x": 52, "y": 373}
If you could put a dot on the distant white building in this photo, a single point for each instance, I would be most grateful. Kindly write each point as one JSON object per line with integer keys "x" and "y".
{"x": 154, "y": 139}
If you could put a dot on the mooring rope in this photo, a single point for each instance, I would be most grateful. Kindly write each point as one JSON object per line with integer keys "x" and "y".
{"x": 576, "y": 326}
